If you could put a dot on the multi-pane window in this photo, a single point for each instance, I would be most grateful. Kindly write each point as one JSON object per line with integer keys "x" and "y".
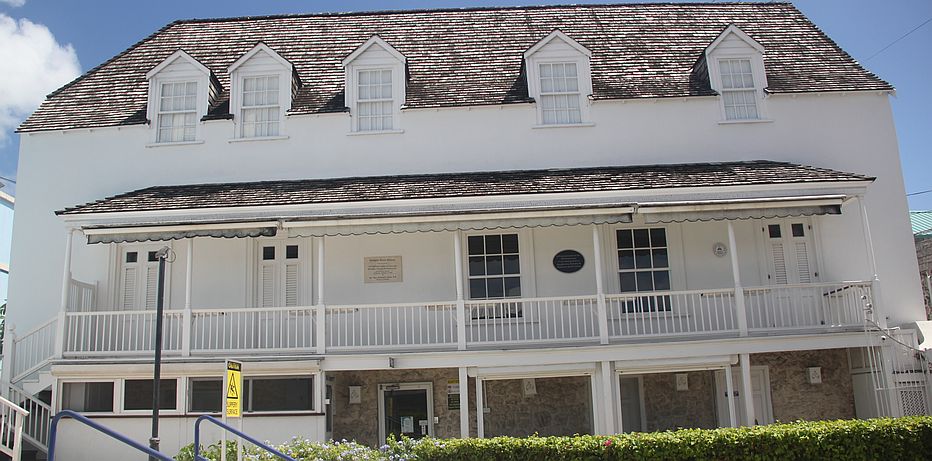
{"x": 494, "y": 266}
{"x": 644, "y": 266}
{"x": 88, "y": 397}
{"x": 259, "y": 394}
{"x": 559, "y": 93}
{"x": 137, "y": 394}
{"x": 374, "y": 106}
{"x": 177, "y": 117}
{"x": 260, "y": 112}
{"x": 738, "y": 92}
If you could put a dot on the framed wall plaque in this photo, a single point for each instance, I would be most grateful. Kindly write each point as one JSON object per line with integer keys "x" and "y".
{"x": 568, "y": 261}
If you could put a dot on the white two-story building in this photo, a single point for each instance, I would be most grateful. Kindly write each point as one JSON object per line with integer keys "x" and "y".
{"x": 467, "y": 223}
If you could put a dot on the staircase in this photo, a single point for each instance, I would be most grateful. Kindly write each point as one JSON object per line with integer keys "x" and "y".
{"x": 36, "y": 424}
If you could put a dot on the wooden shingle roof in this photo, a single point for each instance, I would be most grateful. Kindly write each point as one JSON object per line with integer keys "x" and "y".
{"x": 474, "y": 184}
{"x": 463, "y": 57}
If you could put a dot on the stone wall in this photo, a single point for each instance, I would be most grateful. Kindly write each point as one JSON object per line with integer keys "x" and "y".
{"x": 792, "y": 395}
{"x": 360, "y": 421}
{"x": 924, "y": 255}
{"x": 666, "y": 408}
{"x": 562, "y": 406}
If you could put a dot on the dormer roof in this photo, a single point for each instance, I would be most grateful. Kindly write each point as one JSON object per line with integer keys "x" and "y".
{"x": 260, "y": 48}
{"x": 643, "y": 50}
{"x": 375, "y": 40}
{"x": 557, "y": 34}
{"x": 733, "y": 29}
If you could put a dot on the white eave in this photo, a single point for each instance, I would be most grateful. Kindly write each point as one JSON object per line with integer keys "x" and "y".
{"x": 180, "y": 54}
{"x": 374, "y": 40}
{"x": 260, "y": 47}
{"x": 557, "y": 34}
{"x": 733, "y": 29}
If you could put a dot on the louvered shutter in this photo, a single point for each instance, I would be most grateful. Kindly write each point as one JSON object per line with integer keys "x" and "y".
{"x": 128, "y": 295}
{"x": 802, "y": 262}
{"x": 152, "y": 285}
{"x": 267, "y": 284}
{"x": 778, "y": 259}
{"x": 291, "y": 284}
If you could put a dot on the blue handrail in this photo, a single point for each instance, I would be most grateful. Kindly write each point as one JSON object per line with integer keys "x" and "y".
{"x": 197, "y": 439}
{"x": 100, "y": 428}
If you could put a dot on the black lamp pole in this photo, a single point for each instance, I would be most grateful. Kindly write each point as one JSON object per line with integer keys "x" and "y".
{"x": 162, "y": 254}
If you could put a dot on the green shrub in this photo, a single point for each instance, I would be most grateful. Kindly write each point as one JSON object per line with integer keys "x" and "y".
{"x": 908, "y": 438}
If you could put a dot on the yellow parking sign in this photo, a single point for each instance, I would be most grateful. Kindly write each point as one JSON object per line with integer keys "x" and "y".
{"x": 234, "y": 389}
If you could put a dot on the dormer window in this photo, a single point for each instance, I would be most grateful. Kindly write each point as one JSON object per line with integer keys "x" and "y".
{"x": 738, "y": 90}
{"x": 375, "y": 87}
{"x": 736, "y": 71}
{"x": 559, "y": 80}
{"x": 262, "y": 85}
{"x": 180, "y": 89}
{"x": 261, "y": 111}
{"x": 177, "y": 116}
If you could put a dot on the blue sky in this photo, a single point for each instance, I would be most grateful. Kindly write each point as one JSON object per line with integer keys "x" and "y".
{"x": 100, "y": 29}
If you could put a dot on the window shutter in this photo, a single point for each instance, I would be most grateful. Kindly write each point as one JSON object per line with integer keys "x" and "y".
{"x": 802, "y": 262}
{"x": 128, "y": 301}
{"x": 779, "y": 263}
{"x": 291, "y": 285}
{"x": 267, "y": 285}
{"x": 152, "y": 285}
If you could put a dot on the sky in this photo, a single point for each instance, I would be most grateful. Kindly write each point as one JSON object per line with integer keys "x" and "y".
{"x": 44, "y": 44}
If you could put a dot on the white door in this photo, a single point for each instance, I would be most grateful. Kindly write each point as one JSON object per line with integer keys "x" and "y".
{"x": 138, "y": 291}
{"x": 760, "y": 390}
{"x": 280, "y": 283}
{"x": 790, "y": 265}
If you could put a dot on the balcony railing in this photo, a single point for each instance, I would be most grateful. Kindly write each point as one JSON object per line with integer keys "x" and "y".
{"x": 472, "y": 324}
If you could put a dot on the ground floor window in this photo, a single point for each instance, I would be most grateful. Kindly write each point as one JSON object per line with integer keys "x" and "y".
{"x": 259, "y": 394}
{"x": 88, "y": 397}
{"x": 206, "y": 395}
{"x": 137, "y": 394}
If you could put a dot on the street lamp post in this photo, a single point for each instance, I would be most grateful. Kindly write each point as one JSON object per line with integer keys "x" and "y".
{"x": 161, "y": 255}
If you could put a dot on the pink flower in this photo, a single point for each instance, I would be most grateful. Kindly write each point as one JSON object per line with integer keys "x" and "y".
{"x": 607, "y": 442}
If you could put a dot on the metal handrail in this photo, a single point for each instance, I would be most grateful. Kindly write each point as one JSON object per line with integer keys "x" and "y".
{"x": 100, "y": 428}
{"x": 217, "y": 422}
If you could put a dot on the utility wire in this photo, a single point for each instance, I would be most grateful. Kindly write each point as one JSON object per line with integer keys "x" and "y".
{"x": 897, "y": 40}
{"x": 4, "y": 178}
{"x": 919, "y": 193}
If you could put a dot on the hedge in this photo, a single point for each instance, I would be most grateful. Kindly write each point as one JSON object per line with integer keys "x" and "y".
{"x": 908, "y": 438}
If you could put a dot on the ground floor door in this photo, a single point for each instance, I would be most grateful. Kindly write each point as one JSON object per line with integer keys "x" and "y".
{"x": 760, "y": 390}
{"x": 406, "y": 409}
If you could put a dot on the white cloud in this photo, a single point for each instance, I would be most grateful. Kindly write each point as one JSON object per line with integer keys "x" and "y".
{"x": 32, "y": 64}
{"x": 14, "y": 3}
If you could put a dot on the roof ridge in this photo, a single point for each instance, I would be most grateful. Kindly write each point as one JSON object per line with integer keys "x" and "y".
{"x": 470, "y": 9}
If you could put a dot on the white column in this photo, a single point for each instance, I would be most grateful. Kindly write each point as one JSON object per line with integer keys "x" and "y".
{"x": 480, "y": 410}
{"x": 464, "y": 403}
{"x": 740, "y": 309}
{"x": 460, "y": 296}
{"x": 321, "y": 315}
{"x": 595, "y": 386}
{"x": 609, "y": 396}
{"x": 872, "y": 263}
{"x": 747, "y": 393}
{"x": 186, "y": 323}
{"x": 599, "y": 285}
{"x": 65, "y": 288}
{"x": 730, "y": 396}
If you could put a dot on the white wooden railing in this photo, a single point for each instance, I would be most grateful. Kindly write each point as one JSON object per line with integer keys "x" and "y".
{"x": 32, "y": 350}
{"x": 530, "y": 320}
{"x": 82, "y": 296}
{"x": 435, "y": 325}
{"x": 807, "y": 306}
{"x": 671, "y": 313}
{"x": 391, "y": 326}
{"x": 256, "y": 329}
{"x": 11, "y": 429}
{"x": 120, "y": 332}
{"x": 36, "y": 423}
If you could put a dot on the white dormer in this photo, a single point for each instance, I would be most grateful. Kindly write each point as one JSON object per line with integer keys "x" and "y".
{"x": 180, "y": 89}
{"x": 375, "y": 87}
{"x": 559, "y": 80}
{"x": 262, "y": 85}
{"x": 736, "y": 71}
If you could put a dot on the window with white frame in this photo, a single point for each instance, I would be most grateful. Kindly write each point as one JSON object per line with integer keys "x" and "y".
{"x": 739, "y": 94}
{"x": 374, "y": 102}
{"x": 177, "y": 112}
{"x": 88, "y": 397}
{"x": 137, "y": 394}
{"x": 559, "y": 93}
{"x": 494, "y": 272}
{"x": 261, "y": 111}
{"x": 644, "y": 266}
{"x": 260, "y": 394}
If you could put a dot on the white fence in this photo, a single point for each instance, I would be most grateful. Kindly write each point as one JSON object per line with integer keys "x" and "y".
{"x": 529, "y": 320}
{"x": 806, "y": 306}
{"x": 11, "y": 429}
{"x": 36, "y": 423}
{"x": 671, "y": 313}
{"x": 32, "y": 350}
{"x": 434, "y": 325}
{"x": 391, "y": 326}
{"x": 105, "y": 333}
{"x": 82, "y": 296}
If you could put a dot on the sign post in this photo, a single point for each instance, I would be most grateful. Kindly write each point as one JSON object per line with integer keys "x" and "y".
{"x": 233, "y": 400}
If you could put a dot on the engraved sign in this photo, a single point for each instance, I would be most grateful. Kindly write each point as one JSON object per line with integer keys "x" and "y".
{"x": 568, "y": 261}
{"x": 383, "y": 269}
